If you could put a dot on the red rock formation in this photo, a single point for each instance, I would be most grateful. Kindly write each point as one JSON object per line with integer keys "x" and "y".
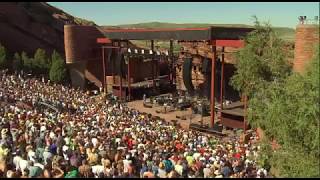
{"x": 26, "y": 26}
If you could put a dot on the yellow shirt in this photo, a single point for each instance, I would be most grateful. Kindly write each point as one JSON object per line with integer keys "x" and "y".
{"x": 190, "y": 160}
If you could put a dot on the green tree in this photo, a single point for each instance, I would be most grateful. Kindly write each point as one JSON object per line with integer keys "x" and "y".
{"x": 26, "y": 61}
{"x": 283, "y": 103}
{"x": 3, "y": 57}
{"x": 289, "y": 113}
{"x": 261, "y": 61}
{"x": 40, "y": 62}
{"x": 17, "y": 63}
{"x": 58, "y": 70}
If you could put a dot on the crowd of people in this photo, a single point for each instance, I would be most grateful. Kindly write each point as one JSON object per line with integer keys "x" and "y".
{"x": 97, "y": 137}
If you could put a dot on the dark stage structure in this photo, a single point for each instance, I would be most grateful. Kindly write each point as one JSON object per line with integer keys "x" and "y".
{"x": 123, "y": 68}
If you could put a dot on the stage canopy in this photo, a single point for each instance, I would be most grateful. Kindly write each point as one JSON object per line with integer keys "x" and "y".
{"x": 180, "y": 34}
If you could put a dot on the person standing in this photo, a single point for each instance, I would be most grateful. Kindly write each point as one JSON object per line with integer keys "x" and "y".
{"x": 165, "y": 107}
{"x": 144, "y": 98}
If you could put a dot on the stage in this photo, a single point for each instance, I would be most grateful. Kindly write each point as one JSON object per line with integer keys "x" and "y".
{"x": 169, "y": 116}
{"x": 233, "y": 115}
{"x": 230, "y": 118}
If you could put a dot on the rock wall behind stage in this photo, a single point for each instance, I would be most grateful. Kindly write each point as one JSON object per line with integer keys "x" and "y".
{"x": 307, "y": 35}
{"x": 200, "y": 51}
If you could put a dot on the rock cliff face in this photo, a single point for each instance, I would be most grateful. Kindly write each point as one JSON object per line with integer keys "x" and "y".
{"x": 26, "y": 26}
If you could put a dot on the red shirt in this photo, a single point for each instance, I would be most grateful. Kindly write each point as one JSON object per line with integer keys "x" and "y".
{"x": 198, "y": 164}
{"x": 130, "y": 144}
{"x": 175, "y": 159}
{"x": 237, "y": 155}
{"x": 179, "y": 146}
{"x": 202, "y": 151}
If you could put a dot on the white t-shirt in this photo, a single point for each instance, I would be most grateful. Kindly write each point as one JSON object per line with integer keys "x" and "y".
{"x": 94, "y": 141}
{"x": 133, "y": 151}
{"x": 97, "y": 169}
{"x": 196, "y": 155}
{"x": 140, "y": 146}
{"x": 39, "y": 165}
{"x": 52, "y": 135}
{"x": 20, "y": 163}
{"x": 206, "y": 172}
{"x": 43, "y": 128}
{"x": 179, "y": 169}
{"x": 126, "y": 165}
{"x": 145, "y": 156}
{"x": 31, "y": 155}
{"x": 263, "y": 171}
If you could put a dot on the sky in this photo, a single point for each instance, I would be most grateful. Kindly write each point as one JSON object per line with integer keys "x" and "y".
{"x": 280, "y": 14}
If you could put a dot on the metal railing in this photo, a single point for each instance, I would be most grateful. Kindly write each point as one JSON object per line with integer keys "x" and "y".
{"x": 305, "y": 20}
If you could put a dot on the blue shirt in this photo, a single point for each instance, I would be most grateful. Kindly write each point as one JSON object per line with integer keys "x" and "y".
{"x": 226, "y": 171}
{"x": 53, "y": 148}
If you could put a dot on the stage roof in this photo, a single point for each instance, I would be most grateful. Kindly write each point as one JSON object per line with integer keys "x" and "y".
{"x": 181, "y": 34}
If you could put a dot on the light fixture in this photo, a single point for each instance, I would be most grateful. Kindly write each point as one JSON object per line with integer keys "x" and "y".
{"x": 142, "y": 51}
{"x": 129, "y": 50}
{"x": 136, "y": 51}
{"x": 150, "y": 52}
{"x": 158, "y": 53}
{"x": 167, "y": 53}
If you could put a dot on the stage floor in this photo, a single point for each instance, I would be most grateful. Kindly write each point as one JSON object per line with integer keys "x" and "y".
{"x": 196, "y": 118}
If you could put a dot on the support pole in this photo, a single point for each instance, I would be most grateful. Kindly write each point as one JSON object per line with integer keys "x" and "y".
{"x": 221, "y": 83}
{"x": 120, "y": 75}
{"x": 213, "y": 44}
{"x": 152, "y": 48}
{"x": 129, "y": 83}
{"x": 172, "y": 63}
{"x": 104, "y": 71}
{"x": 129, "y": 77}
{"x": 112, "y": 62}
